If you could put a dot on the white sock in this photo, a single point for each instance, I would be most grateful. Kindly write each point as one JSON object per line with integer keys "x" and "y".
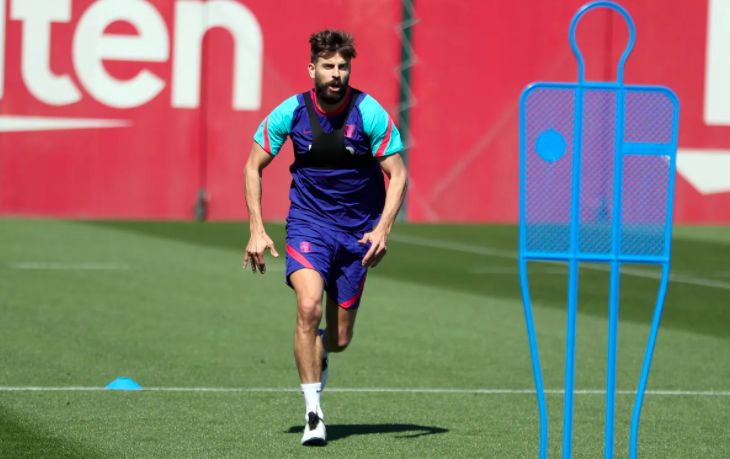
{"x": 311, "y": 397}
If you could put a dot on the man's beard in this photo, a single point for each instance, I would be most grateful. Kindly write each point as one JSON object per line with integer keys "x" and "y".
{"x": 321, "y": 90}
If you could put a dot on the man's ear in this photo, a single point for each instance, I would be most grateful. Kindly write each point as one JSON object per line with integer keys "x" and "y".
{"x": 310, "y": 68}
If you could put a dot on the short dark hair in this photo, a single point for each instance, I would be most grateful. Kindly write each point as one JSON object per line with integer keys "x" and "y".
{"x": 329, "y": 42}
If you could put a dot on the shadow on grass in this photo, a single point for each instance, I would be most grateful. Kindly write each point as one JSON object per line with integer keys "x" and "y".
{"x": 340, "y": 431}
{"x": 20, "y": 438}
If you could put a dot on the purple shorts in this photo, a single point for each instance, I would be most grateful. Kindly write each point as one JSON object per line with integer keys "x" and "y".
{"x": 335, "y": 255}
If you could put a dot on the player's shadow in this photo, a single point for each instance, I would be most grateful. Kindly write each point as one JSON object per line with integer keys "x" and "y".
{"x": 339, "y": 431}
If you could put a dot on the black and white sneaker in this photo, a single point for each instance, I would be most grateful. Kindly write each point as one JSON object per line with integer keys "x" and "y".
{"x": 315, "y": 433}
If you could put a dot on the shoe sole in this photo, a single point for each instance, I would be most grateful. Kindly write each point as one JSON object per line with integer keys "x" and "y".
{"x": 315, "y": 442}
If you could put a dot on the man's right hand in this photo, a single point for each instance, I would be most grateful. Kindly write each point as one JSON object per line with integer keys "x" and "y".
{"x": 257, "y": 245}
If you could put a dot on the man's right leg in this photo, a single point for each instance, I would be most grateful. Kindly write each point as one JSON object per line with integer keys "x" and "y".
{"x": 308, "y": 287}
{"x": 308, "y": 351}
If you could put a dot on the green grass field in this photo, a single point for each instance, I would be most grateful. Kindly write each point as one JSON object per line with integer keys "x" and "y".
{"x": 439, "y": 366}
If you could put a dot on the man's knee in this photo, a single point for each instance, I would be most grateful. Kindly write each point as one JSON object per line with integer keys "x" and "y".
{"x": 339, "y": 341}
{"x": 309, "y": 312}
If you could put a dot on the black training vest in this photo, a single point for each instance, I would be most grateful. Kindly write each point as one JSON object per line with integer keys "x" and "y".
{"x": 328, "y": 148}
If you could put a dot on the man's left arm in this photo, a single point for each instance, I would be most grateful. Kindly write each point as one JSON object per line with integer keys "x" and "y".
{"x": 395, "y": 169}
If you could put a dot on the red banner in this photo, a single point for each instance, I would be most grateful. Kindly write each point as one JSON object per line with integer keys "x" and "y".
{"x": 131, "y": 108}
{"x": 475, "y": 58}
{"x": 128, "y": 108}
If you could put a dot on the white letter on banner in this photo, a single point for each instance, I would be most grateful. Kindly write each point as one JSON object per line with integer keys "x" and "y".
{"x": 91, "y": 47}
{"x": 717, "y": 72}
{"x": 37, "y": 16}
{"x": 192, "y": 20}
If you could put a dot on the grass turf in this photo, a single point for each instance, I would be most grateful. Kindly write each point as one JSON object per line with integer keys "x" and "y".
{"x": 168, "y": 305}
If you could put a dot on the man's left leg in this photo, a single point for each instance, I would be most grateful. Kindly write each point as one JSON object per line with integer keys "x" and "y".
{"x": 343, "y": 299}
{"x": 338, "y": 334}
{"x": 340, "y": 326}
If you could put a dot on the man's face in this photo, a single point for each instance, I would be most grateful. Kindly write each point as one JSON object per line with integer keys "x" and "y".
{"x": 331, "y": 75}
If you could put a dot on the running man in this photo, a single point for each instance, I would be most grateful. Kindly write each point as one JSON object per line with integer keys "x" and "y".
{"x": 340, "y": 213}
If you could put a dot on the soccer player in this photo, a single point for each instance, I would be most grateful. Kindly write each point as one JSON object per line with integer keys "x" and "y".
{"x": 340, "y": 213}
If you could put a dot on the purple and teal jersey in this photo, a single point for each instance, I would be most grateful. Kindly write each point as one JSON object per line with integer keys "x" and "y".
{"x": 346, "y": 198}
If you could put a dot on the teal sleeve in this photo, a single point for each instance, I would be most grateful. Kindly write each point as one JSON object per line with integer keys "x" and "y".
{"x": 275, "y": 128}
{"x": 384, "y": 136}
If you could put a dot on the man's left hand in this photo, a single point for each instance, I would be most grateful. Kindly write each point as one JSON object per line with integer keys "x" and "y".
{"x": 378, "y": 240}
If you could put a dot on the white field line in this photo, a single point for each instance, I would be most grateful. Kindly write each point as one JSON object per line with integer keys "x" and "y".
{"x": 68, "y": 266}
{"x": 512, "y": 255}
{"x": 385, "y": 390}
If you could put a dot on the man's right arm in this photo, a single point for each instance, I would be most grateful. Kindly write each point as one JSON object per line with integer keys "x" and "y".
{"x": 258, "y": 241}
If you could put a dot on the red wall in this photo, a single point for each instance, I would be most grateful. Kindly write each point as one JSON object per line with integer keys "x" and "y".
{"x": 154, "y": 167}
{"x": 473, "y": 60}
